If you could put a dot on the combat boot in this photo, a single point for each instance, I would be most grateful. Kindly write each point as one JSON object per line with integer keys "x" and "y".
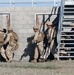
{"x": 41, "y": 60}
{"x": 9, "y": 60}
{"x": 6, "y": 60}
{"x": 34, "y": 61}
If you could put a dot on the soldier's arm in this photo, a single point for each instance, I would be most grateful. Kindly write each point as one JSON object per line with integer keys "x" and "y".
{"x": 7, "y": 39}
{"x": 35, "y": 38}
{"x": 52, "y": 35}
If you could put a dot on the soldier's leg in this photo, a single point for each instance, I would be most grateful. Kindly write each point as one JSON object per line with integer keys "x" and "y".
{"x": 53, "y": 49}
{"x": 3, "y": 54}
{"x": 35, "y": 55}
{"x": 41, "y": 50}
{"x": 9, "y": 53}
{"x": 47, "y": 53}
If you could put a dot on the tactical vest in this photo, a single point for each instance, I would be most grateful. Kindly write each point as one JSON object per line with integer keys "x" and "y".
{"x": 40, "y": 37}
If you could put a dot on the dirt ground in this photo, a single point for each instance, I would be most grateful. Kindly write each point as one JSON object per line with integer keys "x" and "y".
{"x": 46, "y": 68}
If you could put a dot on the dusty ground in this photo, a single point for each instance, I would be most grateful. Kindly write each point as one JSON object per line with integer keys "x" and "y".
{"x": 47, "y": 68}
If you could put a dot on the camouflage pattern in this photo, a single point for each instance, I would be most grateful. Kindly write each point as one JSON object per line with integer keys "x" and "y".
{"x": 1, "y": 38}
{"x": 13, "y": 45}
{"x": 39, "y": 49}
{"x": 51, "y": 34}
{"x": 2, "y": 50}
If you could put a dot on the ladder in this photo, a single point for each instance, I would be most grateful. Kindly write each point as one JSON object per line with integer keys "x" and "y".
{"x": 65, "y": 36}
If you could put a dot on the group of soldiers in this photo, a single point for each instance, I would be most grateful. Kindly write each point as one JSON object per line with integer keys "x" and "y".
{"x": 8, "y": 43}
{"x": 45, "y": 42}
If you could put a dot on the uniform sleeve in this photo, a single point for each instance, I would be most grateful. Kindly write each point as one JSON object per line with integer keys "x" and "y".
{"x": 52, "y": 33}
{"x": 49, "y": 34}
{"x": 8, "y": 38}
{"x": 36, "y": 36}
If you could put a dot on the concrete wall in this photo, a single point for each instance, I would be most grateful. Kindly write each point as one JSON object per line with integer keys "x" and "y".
{"x": 22, "y": 22}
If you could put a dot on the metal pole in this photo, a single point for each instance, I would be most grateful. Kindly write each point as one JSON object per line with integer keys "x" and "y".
{"x": 32, "y": 3}
{"x": 13, "y": 3}
{"x": 35, "y": 19}
{"x": 10, "y": 2}
{"x": 8, "y": 21}
{"x": 54, "y": 2}
{"x": 60, "y": 26}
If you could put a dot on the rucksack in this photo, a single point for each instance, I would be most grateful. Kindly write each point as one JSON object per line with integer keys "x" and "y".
{"x": 15, "y": 36}
{"x": 1, "y": 38}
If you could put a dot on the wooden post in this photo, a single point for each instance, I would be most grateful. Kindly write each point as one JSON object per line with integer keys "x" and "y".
{"x": 8, "y": 21}
{"x": 37, "y": 20}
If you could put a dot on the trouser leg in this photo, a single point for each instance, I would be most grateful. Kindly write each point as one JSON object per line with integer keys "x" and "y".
{"x": 36, "y": 53}
{"x": 3, "y": 53}
{"x": 9, "y": 53}
{"x": 53, "y": 49}
{"x": 41, "y": 50}
{"x": 47, "y": 53}
{"x": 50, "y": 48}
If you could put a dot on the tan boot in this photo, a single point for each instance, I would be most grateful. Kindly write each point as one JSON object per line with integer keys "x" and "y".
{"x": 41, "y": 60}
{"x": 69, "y": 59}
{"x": 10, "y": 60}
{"x": 34, "y": 61}
{"x": 6, "y": 60}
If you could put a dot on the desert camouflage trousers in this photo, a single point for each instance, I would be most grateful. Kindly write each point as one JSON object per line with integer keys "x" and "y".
{"x": 3, "y": 53}
{"x": 51, "y": 48}
{"x": 39, "y": 50}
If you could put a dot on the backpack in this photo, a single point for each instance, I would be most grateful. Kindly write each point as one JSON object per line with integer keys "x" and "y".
{"x": 15, "y": 36}
{"x": 1, "y": 38}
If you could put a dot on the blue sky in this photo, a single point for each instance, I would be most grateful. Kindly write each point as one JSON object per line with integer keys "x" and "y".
{"x": 29, "y": 0}
{"x": 46, "y": 3}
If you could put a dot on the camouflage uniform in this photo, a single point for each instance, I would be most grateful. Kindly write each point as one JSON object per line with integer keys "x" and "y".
{"x": 51, "y": 34}
{"x": 38, "y": 39}
{"x": 12, "y": 44}
{"x": 2, "y": 50}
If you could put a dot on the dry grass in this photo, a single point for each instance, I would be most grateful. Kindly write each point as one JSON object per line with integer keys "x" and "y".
{"x": 27, "y": 65}
{"x": 47, "y": 68}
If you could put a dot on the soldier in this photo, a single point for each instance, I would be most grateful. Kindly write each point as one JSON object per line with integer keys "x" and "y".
{"x": 2, "y": 50}
{"x": 12, "y": 44}
{"x": 51, "y": 42}
{"x": 38, "y": 39}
